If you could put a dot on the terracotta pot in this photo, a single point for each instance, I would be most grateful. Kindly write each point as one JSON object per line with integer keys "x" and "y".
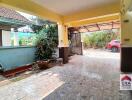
{"x": 43, "y": 64}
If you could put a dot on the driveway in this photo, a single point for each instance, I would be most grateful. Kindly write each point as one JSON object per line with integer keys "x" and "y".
{"x": 101, "y": 53}
{"x": 85, "y": 77}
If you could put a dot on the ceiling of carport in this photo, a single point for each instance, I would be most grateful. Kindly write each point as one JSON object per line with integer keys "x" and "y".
{"x": 65, "y": 7}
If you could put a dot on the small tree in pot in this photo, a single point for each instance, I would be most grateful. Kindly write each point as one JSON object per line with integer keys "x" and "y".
{"x": 46, "y": 42}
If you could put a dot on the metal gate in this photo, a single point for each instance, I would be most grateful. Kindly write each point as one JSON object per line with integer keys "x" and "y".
{"x": 75, "y": 44}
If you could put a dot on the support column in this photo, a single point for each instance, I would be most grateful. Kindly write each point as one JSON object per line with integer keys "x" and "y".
{"x": 16, "y": 39}
{"x": 63, "y": 42}
{"x": 126, "y": 36}
{"x": 6, "y": 38}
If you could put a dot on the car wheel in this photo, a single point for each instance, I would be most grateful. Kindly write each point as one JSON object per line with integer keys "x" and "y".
{"x": 114, "y": 49}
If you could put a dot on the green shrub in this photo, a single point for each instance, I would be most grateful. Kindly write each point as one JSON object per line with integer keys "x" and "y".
{"x": 87, "y": 42}
{"x": 46, "y": 42}
{"x": 99, "y": 39}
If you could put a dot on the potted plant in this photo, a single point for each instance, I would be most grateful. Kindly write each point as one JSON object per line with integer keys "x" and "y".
{"x": 46, "y": 42}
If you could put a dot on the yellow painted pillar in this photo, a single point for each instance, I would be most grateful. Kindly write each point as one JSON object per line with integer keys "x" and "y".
{"x": 63, "y": 42}
{"x": 63, "y": 35}
{"x": 126, "y": 23}
{"x": 126, "y": 35}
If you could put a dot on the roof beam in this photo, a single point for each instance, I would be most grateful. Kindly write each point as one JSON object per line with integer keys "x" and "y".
{"x": 95, "y": 20}
{"x": 98, "y": 26}
{"x": 29, "y": 6}
{"x": 86, "y": 28}
{"x": 94, "y": 12}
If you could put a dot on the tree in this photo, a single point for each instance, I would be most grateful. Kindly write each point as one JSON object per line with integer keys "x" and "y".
{"x": 99, "y": 39}
{"x": 46, "y": 42}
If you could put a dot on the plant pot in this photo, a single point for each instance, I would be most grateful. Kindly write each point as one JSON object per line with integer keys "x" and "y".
{"x": 43, "y": 64}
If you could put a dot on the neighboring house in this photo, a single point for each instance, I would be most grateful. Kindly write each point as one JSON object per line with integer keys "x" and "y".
{"x": 10, "y": 20}
{"x": 12, "y": 57}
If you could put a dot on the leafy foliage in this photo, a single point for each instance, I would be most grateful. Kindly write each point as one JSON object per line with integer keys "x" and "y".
{"x": 99, "y": 39}
{"x": 36, "y": 28}
{"x": 39, "y": 24}
{"x": 46, "y": 42}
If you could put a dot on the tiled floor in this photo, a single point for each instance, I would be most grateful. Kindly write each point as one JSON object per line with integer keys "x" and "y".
{"x": 83, "y": 78}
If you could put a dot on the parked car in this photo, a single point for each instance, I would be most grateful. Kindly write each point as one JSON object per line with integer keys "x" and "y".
{"x": 114, "y": 45}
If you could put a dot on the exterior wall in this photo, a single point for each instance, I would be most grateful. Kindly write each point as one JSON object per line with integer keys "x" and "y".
{"x": 6, "y": 38}
{"x": 13, "y": 57}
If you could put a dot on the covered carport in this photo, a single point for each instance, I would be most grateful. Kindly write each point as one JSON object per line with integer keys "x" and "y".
{"x": 82, "y": 78}
{"x": 76, "y": 13}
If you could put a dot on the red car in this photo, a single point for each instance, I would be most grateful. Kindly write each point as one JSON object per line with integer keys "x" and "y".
{"x": 114, "y": 45}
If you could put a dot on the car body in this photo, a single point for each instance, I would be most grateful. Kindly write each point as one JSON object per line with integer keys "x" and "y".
{"x": 113, "y": 45}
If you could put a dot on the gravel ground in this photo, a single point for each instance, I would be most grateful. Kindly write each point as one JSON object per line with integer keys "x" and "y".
{"x": 94, "y": 76}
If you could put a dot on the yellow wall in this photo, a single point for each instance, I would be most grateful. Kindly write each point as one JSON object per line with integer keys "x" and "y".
{"x": 126, "y": 23}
